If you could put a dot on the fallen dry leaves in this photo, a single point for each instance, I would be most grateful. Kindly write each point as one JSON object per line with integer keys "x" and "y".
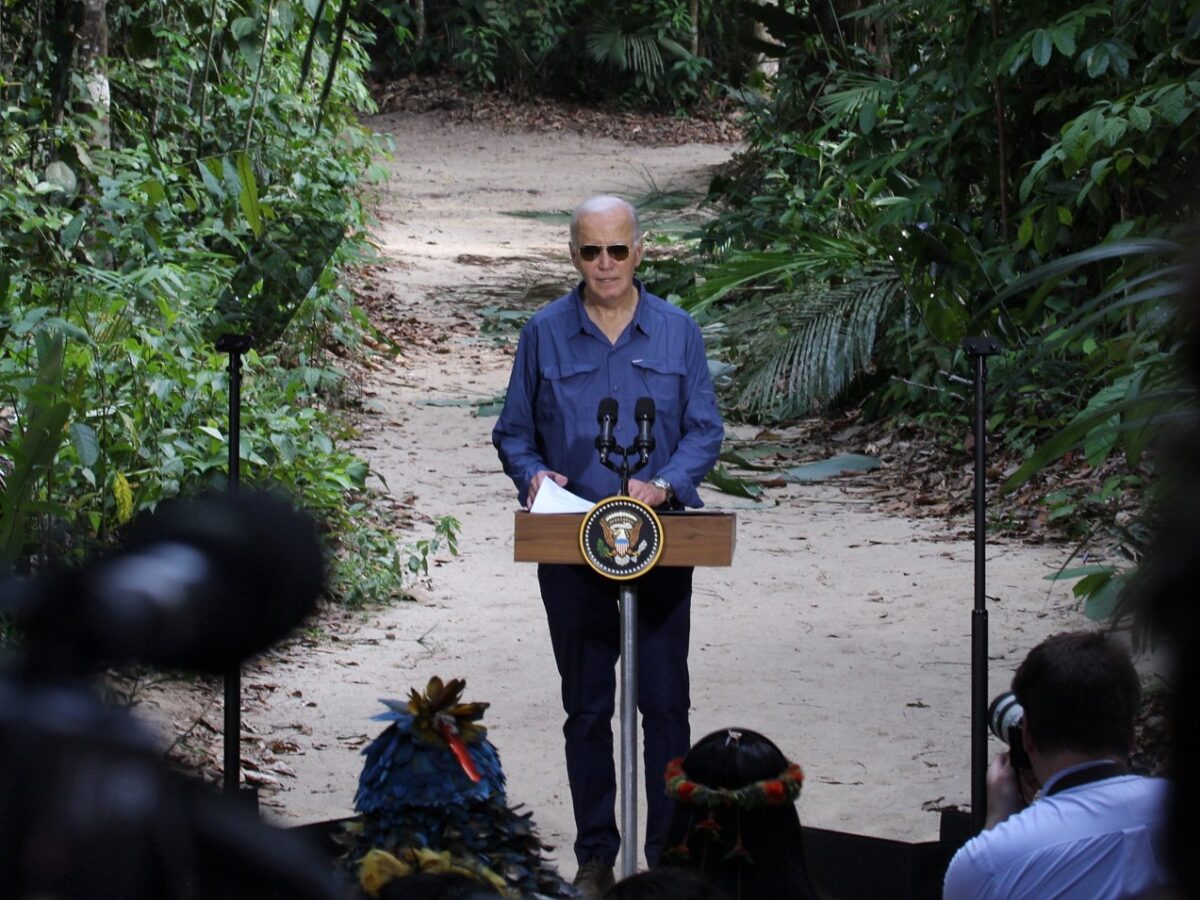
{"x": 715, "y": 124}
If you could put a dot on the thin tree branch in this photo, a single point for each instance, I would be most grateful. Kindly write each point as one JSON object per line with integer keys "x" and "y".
{"x": 1001, "y": 135}
{"x": 212, "y": 24}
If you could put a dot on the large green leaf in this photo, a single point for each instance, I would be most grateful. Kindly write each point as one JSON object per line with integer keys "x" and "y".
{"x": 248, "y": 193}
{"x": 730, "y": 484}
{"x": 32, "y": 457}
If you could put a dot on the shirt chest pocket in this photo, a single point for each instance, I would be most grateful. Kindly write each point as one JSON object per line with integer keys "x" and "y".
{"x": 566, "y": 390}
{"x": 665, "y": 382}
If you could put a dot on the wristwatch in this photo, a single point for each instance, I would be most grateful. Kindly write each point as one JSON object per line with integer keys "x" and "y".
{"x": 665, "y": 486}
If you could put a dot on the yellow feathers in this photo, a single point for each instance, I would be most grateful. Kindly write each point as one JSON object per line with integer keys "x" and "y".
{"x": 379, "y": 867}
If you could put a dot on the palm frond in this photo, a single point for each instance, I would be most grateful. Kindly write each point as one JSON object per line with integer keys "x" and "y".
{"x": 639, "y": 51}
{"x": 857, "y": 90}
{"x": 807, "y": 257}
{"x": 822, "y": 338}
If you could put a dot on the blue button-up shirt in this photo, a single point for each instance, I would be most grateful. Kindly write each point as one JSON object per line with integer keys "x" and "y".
{"x": 565, "y": 366}
{"x": 1097, "y": 841}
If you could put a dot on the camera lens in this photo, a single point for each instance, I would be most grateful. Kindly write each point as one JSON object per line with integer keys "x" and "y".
{"x": 1005, "y": 713}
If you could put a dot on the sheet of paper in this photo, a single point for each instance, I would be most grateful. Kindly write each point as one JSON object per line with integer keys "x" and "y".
{"x": 551, "y": 498}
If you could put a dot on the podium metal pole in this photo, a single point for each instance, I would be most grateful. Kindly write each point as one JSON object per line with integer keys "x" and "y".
{"x": 629, "y": 779}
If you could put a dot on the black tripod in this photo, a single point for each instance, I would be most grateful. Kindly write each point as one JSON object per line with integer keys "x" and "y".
{"x": 276, "y": 276}
{"x": 235, "y": 345}
{"x": 979, "y": 349}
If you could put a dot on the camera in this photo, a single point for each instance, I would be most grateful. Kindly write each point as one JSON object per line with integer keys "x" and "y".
{"x": 88, "y": 809}
{"x": 1006, "y": 720}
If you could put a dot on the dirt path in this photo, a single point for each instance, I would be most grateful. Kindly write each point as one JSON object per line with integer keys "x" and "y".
{"x": 841, "y": 632}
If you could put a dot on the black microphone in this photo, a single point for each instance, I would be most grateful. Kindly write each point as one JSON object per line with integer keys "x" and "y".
{"x": 202, "y": 585}
{"x": 606, "y": 415}
{"x": 643, "y": 412}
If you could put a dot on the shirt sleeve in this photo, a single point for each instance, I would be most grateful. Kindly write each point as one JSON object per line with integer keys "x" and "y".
{"x": 515, "y": 434}
{"x": 964, "y": 879}
{"x": 701, "y": 431}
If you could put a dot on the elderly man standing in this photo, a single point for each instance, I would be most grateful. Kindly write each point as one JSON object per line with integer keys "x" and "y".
{"x": 1093, "y": 831}
{"x": 610, "y": 338}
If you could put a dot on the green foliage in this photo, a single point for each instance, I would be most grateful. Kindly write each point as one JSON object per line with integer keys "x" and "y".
{"x": 999, "y": 171}
{"x": 1098, "y": 586}
{"x": 125, "y": 248}
{"x": 631, "y": 50}
{"x": 376, "y": 566}
{"x": 1020, "y": 170}
{"x": 819, "y": 337}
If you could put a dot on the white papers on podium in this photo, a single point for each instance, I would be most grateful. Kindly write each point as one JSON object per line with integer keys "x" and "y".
{"x": 551, "y": 498}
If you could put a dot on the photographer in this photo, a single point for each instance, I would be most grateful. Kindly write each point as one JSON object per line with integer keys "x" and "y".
{"x": 1093, "y": 829}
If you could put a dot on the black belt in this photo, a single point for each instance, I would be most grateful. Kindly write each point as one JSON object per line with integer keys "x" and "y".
{"x": 1087, "y": 776}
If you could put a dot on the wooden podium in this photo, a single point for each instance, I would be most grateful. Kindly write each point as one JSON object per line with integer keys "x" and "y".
{"x": 689, "y": 539}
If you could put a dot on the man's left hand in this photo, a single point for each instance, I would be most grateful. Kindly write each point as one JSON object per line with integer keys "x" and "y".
{"x": 1005, "y": 796}
{"x": 646, "y": 492}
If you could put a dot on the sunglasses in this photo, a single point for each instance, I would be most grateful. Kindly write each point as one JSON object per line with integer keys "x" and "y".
{"x": 616, "y": 252}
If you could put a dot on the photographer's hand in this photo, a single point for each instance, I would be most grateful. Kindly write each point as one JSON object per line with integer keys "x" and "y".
{"x": 1004, "y": 796}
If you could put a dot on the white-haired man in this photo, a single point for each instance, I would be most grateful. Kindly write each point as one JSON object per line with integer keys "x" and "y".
{"x": 609, "y": 338}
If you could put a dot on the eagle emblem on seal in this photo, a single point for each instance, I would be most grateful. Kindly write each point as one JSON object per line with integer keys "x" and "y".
{"x": 620, "y": 538}
{"x": 621, "y": 533}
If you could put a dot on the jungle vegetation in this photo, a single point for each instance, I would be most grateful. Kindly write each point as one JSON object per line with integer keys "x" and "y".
{"x": 145, "y": 149}
{"x": 924, "y": 171}
{"x": 917, "y": 171}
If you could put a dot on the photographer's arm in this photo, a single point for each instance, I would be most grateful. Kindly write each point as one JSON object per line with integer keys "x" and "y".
{"x": 1006, "y": 790}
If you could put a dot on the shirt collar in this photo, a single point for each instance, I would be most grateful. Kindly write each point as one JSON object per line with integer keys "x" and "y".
{"x": 1071, "y": 770}
{"x": 640, "y": 319}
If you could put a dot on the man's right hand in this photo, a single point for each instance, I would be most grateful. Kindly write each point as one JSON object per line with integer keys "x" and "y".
{"x": 536, "y": 482}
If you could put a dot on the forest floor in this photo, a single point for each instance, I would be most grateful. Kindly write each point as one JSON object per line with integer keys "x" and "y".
{"x": 841, "y": 631}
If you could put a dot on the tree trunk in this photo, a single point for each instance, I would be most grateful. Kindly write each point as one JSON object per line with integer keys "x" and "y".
{"x": 93, "y": 48}
{"x": 419, "y": 19}
{"x": 768, "y": 67}
{"x": 694, "y": 14}
{"x": 1001, "y": 134}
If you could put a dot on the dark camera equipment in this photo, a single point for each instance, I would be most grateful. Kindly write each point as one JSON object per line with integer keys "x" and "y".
{"x": 88, "y": 809}
{"x": 1006, "y": 720}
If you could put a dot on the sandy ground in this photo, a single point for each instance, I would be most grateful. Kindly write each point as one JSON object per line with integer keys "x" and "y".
{"x": 841, "y": 632}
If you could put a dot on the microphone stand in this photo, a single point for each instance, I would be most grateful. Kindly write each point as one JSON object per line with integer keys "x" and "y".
{"x": 628, "y": 603}
{"x": 979, "y": 349}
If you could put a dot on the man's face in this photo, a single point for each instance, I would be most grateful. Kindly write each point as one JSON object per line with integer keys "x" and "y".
{"x": 607, "y": 280}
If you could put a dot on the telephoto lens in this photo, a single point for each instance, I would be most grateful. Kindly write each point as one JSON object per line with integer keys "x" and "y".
{"x": 1006, "y": 720}
{"x": 1004, "y": 714}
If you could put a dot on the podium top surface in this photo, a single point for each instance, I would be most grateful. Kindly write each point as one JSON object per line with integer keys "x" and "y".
{"x": 689, "y": 538}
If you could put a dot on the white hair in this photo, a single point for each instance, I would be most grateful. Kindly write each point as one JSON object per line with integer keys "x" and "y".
{"x": 601, "y": 204}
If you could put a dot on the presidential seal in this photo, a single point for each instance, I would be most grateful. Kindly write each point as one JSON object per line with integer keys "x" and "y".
{"x": 621, "y": 538}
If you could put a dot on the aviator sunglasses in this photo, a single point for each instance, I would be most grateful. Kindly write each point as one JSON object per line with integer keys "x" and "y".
{"x": 616, "y": 252}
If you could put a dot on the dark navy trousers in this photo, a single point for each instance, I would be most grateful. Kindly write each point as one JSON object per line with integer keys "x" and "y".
{"x": 585, "y": 630}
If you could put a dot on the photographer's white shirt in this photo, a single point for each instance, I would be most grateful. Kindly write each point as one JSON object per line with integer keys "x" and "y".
{"x": 1097, "y": 841}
